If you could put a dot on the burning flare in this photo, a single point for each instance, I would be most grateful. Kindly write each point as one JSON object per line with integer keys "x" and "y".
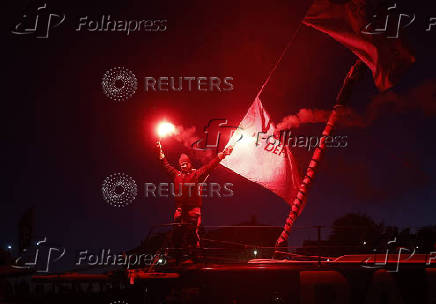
{"x": 165, "y": 129}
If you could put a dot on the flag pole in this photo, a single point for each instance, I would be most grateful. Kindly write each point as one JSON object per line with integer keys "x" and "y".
{"x": 342, "y": 97}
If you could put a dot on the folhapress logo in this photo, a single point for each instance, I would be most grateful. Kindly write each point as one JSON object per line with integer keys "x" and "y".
{"x": 38, "y": 22}
{"x": 107, "y": 24}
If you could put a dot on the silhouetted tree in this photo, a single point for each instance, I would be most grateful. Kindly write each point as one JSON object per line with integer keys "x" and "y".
{"x": 426, "y": 239}
{"x": 356, "y": 232}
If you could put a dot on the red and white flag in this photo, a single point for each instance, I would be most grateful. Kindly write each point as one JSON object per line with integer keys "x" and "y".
{"x": 266, "y": 162}
{"x": 345, "y": 22}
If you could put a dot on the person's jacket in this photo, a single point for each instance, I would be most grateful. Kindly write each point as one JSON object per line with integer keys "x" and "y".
{"x": 186, "y": 195}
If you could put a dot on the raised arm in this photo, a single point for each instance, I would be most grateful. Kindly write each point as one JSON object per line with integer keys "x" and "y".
{"x": 168, "y": 168}
{"x": 214, "y": 162}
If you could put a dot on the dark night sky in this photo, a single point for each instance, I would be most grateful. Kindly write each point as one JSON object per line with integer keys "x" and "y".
{"x": 62, "y": 136}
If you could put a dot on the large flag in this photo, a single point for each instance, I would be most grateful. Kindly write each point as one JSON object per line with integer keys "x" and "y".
{"x": 260, "y": 158}
{"x": 346, "y": 22}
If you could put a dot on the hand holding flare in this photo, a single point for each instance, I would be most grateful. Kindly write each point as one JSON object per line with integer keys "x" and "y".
{"x": 159, "y": 146}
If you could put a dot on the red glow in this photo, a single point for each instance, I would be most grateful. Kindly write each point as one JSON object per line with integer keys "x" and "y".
{"x": 165, "y": 129}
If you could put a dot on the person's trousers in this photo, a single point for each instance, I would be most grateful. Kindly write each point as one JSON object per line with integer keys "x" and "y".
{"x": 186, "y": 235}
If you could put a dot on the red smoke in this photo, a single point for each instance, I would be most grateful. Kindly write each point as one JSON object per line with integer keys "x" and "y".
{"x": 303, "y": 116}
{"x": 421, "y": 98}
{"x": 187, "y": 137}
{"x": 347, "y": 117}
